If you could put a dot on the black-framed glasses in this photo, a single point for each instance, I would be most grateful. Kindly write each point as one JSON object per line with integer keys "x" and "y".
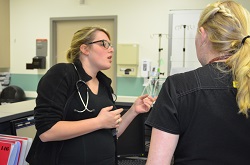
{"x": 105, "y": 43}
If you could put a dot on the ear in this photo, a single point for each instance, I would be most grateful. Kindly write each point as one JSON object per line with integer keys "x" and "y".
{"x": 203, "y": 35}
{"x": 84, "y": 49}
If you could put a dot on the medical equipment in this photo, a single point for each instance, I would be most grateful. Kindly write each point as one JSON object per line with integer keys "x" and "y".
{"x": 159, "y": 55}
{"x": 146, "y": 66}
{"x": 153, "y": 83}
{"x": 184, "y": 44}
{"x": 78, "y": 91}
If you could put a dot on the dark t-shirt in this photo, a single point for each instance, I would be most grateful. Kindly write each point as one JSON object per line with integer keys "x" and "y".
{"x": 98, "y": 147}
{"x": 57, "y": 98}
{"x": 200, "y": 106}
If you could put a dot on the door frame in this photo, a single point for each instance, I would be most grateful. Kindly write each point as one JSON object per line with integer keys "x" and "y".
{"x": 53, "y": 23}
{"x": 53, "y": 37}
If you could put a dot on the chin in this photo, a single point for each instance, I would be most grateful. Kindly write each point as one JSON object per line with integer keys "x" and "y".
{"x": 106, "y": 68}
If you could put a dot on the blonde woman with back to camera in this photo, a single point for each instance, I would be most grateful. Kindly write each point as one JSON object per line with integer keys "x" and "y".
{"x": 201, "y": 117}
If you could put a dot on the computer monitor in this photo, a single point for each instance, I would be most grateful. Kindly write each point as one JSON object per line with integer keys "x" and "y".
{"x": 24, "y": 127}
{"x": 132, "y": 141}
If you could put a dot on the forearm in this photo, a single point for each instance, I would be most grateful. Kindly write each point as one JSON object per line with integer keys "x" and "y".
{"x": 64, "y": 130}
{"x": 127, "y": 118}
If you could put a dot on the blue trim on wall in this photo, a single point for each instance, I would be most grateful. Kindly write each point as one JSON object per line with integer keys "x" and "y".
{"x": 28, "y": 82}
{"x": 126, "y": 86}
{"x": 129, "y": 86}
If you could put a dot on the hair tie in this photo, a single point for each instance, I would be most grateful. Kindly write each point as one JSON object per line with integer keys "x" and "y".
{"x": 244, "y": 39}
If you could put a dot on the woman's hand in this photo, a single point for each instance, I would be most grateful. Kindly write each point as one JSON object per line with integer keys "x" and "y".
{"x": 143, "y": 104}
{"x": 110, "y": 118}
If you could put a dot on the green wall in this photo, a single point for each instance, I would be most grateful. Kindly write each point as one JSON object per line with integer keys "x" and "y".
{"x": 129, "y": 86}
{"x": 126, "y": 86}
{"x": 28, "y": 82}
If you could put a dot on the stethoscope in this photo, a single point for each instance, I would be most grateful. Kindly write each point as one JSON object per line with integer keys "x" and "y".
{"x": 78, "y": 91}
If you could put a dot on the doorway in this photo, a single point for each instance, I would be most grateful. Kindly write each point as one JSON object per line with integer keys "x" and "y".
{"x": 62, "y": 30}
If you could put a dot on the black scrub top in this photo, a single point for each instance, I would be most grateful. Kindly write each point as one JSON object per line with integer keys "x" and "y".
{"x": 98, "y": 147}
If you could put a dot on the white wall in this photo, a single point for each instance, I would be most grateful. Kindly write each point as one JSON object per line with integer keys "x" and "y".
{"x": 138, "y": 22}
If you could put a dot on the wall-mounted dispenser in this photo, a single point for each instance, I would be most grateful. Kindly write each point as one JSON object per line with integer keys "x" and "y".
{"x": 127, "y": 60}
{"x": 39, "y": 61}
{"x": 145, "y": 68}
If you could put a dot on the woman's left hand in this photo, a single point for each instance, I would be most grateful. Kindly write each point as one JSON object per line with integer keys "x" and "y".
{"x": 143, "y": 103}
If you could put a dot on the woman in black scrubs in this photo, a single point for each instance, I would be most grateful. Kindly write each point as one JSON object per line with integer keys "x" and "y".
{"x": 76, "y": 119}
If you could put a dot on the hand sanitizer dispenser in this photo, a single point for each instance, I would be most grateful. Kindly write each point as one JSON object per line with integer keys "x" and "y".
{"x": 145, "y": 68}
{"x": 39, "y": 61}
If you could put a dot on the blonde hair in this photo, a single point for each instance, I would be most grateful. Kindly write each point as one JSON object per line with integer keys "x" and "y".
{"x": 82, "y": 36}
{"x": 227, "y": 23}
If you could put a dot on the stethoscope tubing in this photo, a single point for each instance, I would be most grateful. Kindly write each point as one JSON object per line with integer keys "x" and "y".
{"x": 87, "y": 93}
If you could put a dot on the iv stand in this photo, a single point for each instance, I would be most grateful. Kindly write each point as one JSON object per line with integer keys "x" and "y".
{"x": 184, "y": 49}
{"x": 155, "y": 83}
{"x": 159, "y": 55}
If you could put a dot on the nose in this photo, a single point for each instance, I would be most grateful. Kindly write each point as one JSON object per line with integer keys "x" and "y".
{"x": 111, "y": 48}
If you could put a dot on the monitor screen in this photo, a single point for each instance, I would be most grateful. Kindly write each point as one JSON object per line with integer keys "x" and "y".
{"x": 132, "y": 141}
{"x": 24, "y": 127}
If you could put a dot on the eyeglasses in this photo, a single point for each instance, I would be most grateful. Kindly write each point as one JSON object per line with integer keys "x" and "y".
{"x": 105, "y": 43}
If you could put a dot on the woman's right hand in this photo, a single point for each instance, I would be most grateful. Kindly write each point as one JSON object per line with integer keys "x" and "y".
{"x": 110, "y": 118}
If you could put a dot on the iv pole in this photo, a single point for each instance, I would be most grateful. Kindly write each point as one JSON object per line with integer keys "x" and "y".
{"x": 159, "y": 55}
{"x": 155, "y": 83}
{"x": 184, "y": 49}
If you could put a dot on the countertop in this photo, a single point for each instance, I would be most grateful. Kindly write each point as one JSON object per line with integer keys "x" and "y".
{"x": 17, "y": 110}
{"x": 21, "y": 109}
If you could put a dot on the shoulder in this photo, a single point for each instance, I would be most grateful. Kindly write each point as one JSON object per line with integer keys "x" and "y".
{"x": 194, "y": 76}
{"x": 57, "y": 83}
{"x": 58, "y": 73}
{"x": 206, "y": 77}
{"x": 60, "y": 68}
{"x": 182, "y": 78}
{"x": 183, "y": 83}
